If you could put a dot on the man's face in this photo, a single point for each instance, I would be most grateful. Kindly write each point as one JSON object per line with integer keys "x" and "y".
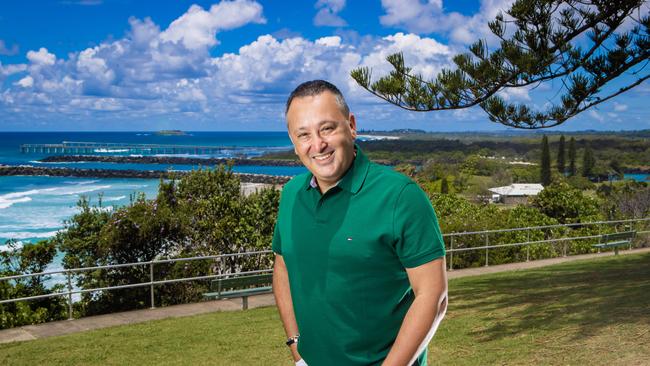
{"x": 323, "y": 138}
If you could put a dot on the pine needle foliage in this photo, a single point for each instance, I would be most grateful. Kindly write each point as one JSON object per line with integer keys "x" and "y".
{"x": 586, "y": 44}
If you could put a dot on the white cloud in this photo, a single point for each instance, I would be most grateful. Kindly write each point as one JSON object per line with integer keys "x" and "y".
{"x": 41, "y": 57}
{"x": 197, "y": 28}
{"x": 426, "y": 17}
{"x": 328, "y": 13}
{"x": 147, "y": 76}
{"x": 425, "y": 56}
{"x": 26, "y": 82}
{"x": 515, "y": 94}
{"x": 595, "y": 115}
{"x": 333, "y": 41}
{"x": 4, "y": 50}
{"x": 11, "y": 69}
{"x": 267, "y": 69}
{"x": 415, "y": 15}
{"x": 618, "y": 107}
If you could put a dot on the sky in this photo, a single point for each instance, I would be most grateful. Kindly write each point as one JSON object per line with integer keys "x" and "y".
{"x": 127, "y": 65}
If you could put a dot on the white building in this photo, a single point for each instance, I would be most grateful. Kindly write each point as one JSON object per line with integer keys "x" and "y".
{"x": 516, "y": 192}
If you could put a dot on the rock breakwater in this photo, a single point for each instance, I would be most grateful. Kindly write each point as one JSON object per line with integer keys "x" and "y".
{"x": 9, "y": 170}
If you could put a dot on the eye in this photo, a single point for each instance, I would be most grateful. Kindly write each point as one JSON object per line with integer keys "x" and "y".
{"x": 327, "y": 128}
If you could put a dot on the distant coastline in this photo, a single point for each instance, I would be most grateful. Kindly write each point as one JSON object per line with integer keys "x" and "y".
{"x": 171, "y": 133}
{"x": 167, "y": 160}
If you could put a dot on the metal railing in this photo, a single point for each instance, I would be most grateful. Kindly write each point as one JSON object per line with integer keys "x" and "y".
{"x": 153, "y": 282}
{"x": 527, "y": 243}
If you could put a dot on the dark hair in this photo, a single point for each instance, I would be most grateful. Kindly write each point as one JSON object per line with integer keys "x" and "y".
{"x": 316, "y": 87}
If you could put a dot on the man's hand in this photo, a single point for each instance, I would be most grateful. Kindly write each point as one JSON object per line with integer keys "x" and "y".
{"x": 429, "y": 283}
{"x": 282, "y": 293}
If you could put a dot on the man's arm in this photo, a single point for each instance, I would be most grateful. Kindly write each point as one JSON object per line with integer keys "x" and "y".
{"x": 282, "y": 294}
{"x": 429, "y": 283}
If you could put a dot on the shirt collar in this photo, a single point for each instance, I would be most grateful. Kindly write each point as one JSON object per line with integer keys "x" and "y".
{"x": 354, "y": 177}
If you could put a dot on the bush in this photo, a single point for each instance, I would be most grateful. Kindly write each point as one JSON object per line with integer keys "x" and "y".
{"x": 31, "y": 258}
{"x": 566, "y": 204}
{"x": 202, "y": 213}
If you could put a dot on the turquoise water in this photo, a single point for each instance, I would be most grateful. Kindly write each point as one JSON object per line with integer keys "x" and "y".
{"x": 638, "y": 177}
{"x": 34, "y": 208}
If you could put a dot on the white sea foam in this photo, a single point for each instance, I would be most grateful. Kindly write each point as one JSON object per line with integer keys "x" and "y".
{"x": 113, "y": 198}
{"x": 376, "y": 137}
{"x": 80, "y": 182}
{"x": 27, "y": 234}
{"x": 66, "y": 191}
{"x": 33, "y": 226}
{"x": 200, "y": 156}
{"x": 56, "y": 162}
{"x": 6, "y": 203}
{"x": 31, "y": 192}
{"x": 9, "y": 199}
{"x": 110, "y": 150}
{"x": 5, "y": 248}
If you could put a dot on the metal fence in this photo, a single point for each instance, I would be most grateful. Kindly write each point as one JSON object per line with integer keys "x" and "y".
{"x": 639, "y": 225}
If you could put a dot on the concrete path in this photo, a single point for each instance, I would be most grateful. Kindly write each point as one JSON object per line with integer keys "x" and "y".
{"x": 63, "y": 327}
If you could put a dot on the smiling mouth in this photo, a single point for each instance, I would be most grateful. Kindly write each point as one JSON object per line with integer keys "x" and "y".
{"x": 323, "y": 156}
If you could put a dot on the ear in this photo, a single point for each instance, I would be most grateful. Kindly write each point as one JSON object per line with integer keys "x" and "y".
{"x": 353, "y": 125}
{"x": 295, "y": 149}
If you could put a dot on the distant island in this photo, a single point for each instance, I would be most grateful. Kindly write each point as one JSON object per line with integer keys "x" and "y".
{"x": 171, "y": 133}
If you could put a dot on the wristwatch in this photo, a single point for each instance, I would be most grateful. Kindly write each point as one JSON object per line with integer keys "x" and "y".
{"x": 292, "y": 340}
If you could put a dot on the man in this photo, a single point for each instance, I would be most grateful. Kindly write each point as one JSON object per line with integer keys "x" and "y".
{"x": 359, "y": 275}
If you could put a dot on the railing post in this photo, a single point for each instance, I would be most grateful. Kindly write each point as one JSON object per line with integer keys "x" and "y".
{"x": 69, "y": 295}
{"x": 153, "y": 304}
{"x": 528, "y": 245}
{"x": 487, "y": 243}
{"x": 451, "y": 254}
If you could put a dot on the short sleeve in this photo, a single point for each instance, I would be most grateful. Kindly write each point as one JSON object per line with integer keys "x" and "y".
{"x": 417, "y": 236}
{"x": 277, "y": 242}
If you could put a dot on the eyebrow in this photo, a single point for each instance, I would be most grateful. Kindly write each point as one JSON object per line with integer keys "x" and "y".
{"x": 319, "y": 124}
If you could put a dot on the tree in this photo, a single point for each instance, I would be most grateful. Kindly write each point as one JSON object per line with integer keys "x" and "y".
{"x": 582, "y": 43}
{"x": 588, "y": 162}
{"x": 628, "y": 201}
{"x": 617, "y": 168}
{"x": 566, "y": 204}
{"x": 444, "y": 185}
{"x": 572, "y": 157}
{"x": 561, "y": 166}
{"x": 30, "y": 258}
{"x": 201, "y": 213}
{"x": 545, "y": 165}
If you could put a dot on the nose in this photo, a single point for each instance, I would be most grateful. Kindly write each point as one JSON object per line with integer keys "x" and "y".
{"x": 319, "y": 144}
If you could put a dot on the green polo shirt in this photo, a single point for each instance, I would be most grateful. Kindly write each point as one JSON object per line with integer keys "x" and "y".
{"x": 346, "y": 252}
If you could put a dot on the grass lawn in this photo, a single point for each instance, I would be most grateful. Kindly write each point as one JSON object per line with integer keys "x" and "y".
{"x": 593, "y": 312}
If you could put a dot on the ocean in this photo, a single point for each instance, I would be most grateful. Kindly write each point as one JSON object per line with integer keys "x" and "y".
{"x": 33, "y": 208}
